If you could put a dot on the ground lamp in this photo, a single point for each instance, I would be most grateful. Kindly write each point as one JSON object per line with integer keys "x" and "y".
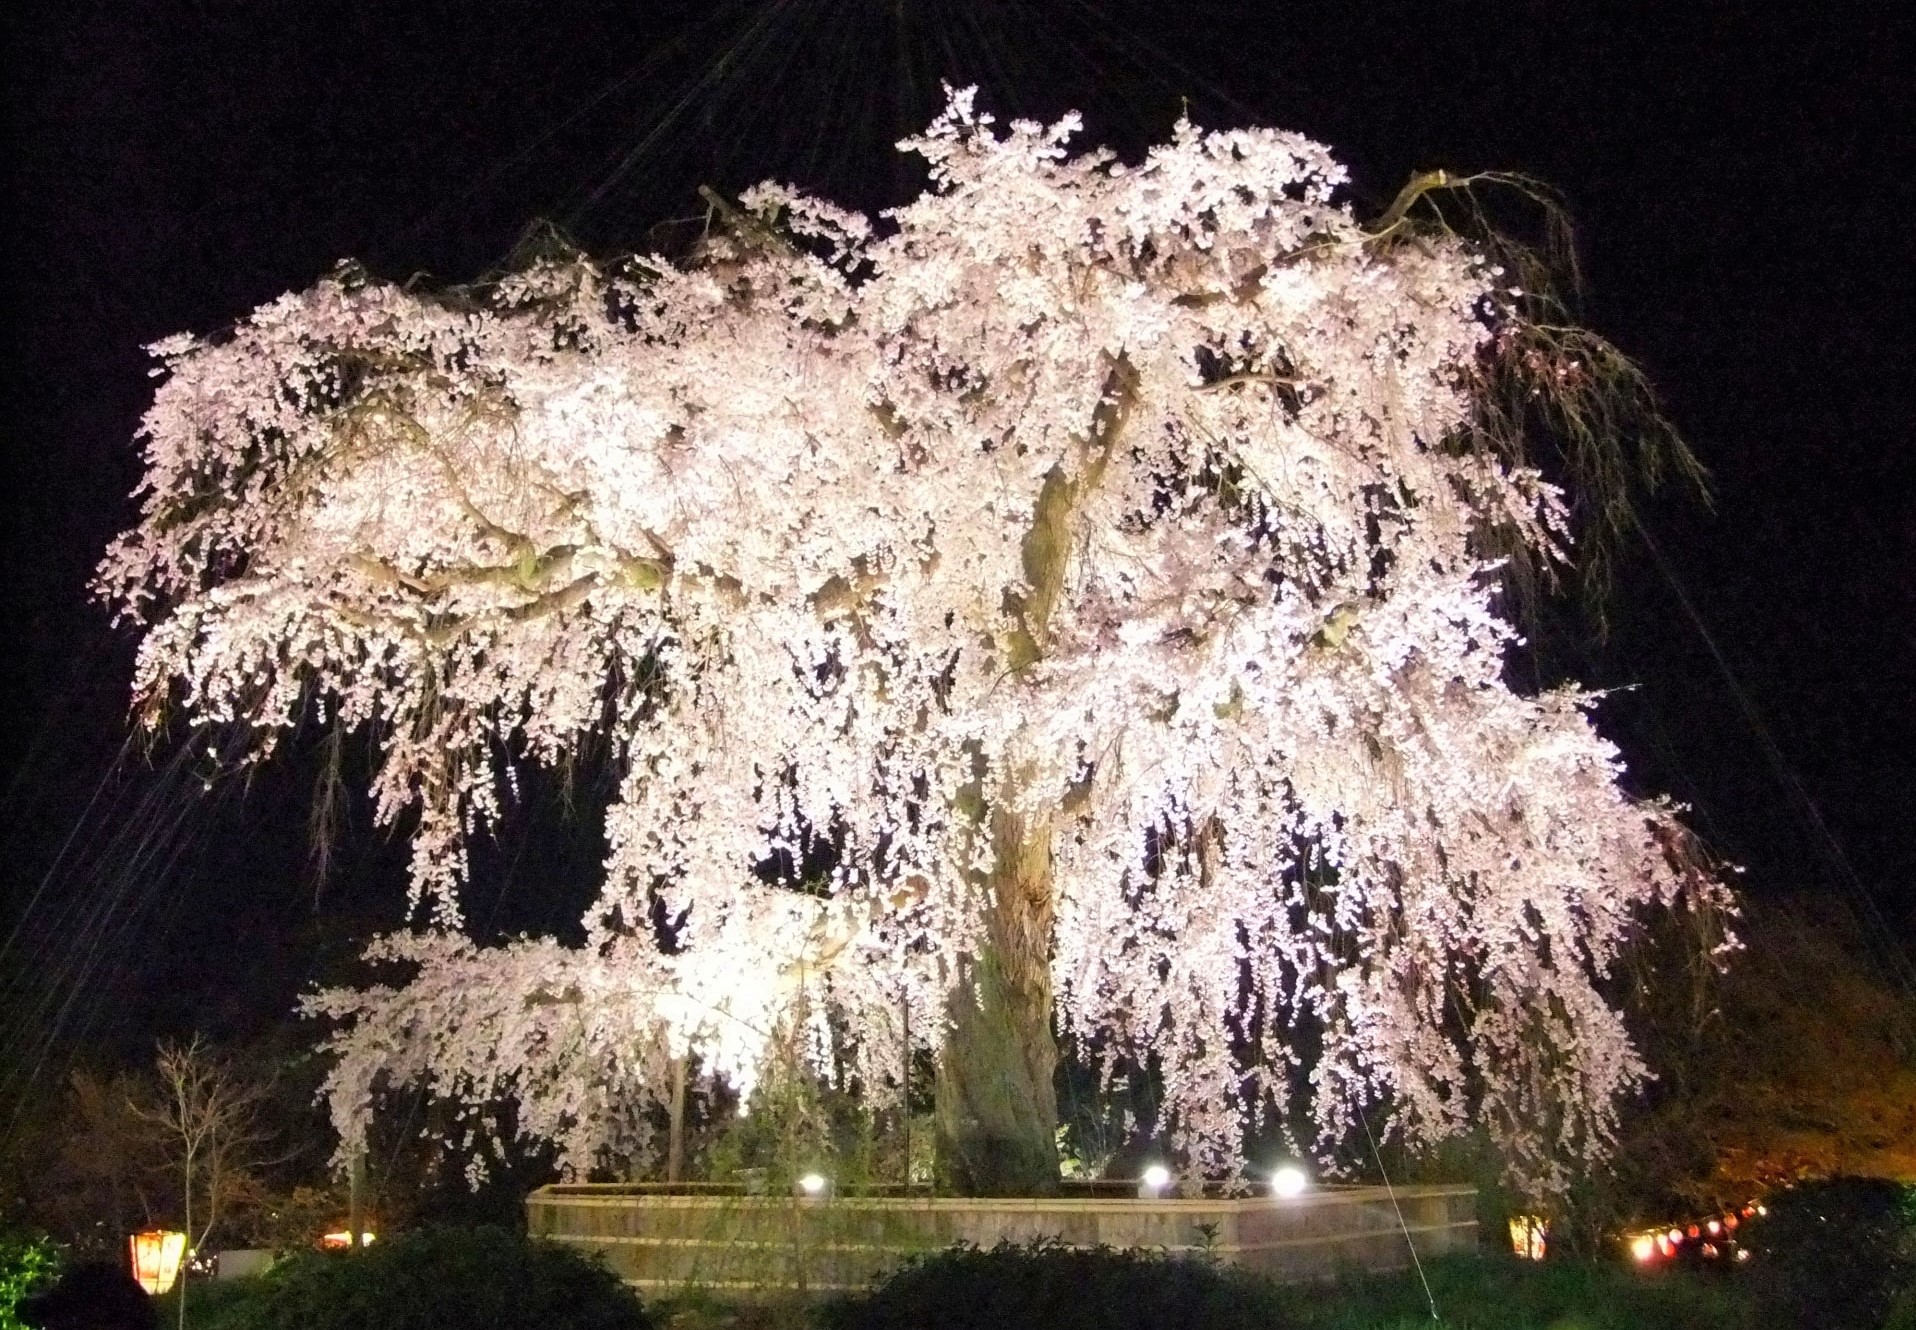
{"x": 1289, "y": 1181}
{"x": 1528, "y": 1235}
{"x": 341, "y": 1239}
{"x": 157, "y": 1256}
{"x": 813, "y": 1187}
{"x": 1152, "y": 1183}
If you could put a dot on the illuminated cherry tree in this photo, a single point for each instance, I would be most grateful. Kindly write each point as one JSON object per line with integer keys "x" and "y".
{"x": 1095, "y": 559}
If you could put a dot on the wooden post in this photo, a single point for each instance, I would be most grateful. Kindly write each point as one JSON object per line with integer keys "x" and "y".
{"x": 356, "y": 1198}
{"x": 904, "y": 1090}
{"x": 675, "y": 1141}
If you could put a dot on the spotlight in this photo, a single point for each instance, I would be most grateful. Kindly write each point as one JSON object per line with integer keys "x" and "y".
{"x": 814, "y": 1186}
{"x": 1153, "y": 1182}
{"x": 1289, "y": 1181}
{"x": 1643, "y": 1247}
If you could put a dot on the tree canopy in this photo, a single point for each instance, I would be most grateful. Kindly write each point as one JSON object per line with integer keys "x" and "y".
{"x": 1093, "y": 566}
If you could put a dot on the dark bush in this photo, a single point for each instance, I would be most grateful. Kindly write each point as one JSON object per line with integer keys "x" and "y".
{"x": 440, "y": 1279}
{"x": 1060, "y": 1288}
{"x": 1490, "y": 1291}
{"x": 1836, "y": 1254}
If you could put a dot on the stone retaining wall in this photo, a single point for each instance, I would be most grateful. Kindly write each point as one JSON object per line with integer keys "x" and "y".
{"x": 659, "y": 1241}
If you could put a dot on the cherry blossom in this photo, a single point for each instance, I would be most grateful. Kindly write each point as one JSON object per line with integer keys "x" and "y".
{"x": 1132, "y": 506}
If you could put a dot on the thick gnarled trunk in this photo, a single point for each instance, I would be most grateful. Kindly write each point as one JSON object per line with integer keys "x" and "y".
{"x": 997, "y": 1107}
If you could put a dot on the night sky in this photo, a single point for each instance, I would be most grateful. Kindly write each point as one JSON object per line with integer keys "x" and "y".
{"x": 1742, "y": 186}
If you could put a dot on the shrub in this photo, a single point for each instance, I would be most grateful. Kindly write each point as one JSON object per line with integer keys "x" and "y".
{"x": 26, "y": 1263}
{"x": 438, "y": 1279}
{"x": 1835, "y": 1254}
{"x": 1497, "y": 1292}
{"x": 1060, "y": 1288}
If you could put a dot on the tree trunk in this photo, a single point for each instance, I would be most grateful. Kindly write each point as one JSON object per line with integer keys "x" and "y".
{"x": 186, "y": 1254}
{"x": 997, "y": 1107}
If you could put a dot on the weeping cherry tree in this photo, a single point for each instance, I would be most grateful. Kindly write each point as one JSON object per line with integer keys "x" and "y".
{"x": 1102, "y": 562}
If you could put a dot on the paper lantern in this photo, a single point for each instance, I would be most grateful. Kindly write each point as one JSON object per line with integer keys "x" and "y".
{"x": 1528, "y": 1234}
{"x": 157, "y": 1256}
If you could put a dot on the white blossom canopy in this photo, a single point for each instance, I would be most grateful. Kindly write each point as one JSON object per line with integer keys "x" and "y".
{"x": 1133, "y": 497}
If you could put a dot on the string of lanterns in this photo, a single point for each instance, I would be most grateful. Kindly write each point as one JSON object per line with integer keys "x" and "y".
{"x": 1711, "y": 1239}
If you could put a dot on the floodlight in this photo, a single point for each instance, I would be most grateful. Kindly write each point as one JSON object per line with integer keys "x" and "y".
{"x": 1289, "y": 1181}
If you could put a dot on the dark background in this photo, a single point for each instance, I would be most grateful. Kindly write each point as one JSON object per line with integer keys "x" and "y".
{"x": 1742, "y": 185}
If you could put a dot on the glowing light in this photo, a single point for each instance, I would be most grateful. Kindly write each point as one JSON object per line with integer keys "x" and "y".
{"x": 814, "y": 1184}
{"x": 1528, "y": 1234}
{"x": 341, "y": 1239}
{"x": 1676, "y": 1236}
{"x": 1714, "y": 1227}
{"x": 1643, "y": 1247}
{"x": 1742, "y": 1253}
{"x": 1153, "y": 1181}
{"x": 157, "y": 1256}
{"x": 1289, "y": 1181}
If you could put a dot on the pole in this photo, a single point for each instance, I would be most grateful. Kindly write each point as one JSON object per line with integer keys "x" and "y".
{"x": 904, "y": 1090}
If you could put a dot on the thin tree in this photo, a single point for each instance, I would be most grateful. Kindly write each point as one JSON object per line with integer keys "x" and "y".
{"x": 209, "y": 1119}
